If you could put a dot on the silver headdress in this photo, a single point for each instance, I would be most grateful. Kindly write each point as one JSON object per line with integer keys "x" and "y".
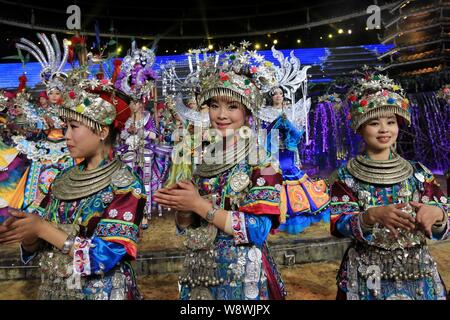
{"x": 52, "y": 63}
{"x": 137, "y": 78}
{"x": 290, "y": 77}
{"x": 235, "y": 72}
{"x": 176, "y": 86}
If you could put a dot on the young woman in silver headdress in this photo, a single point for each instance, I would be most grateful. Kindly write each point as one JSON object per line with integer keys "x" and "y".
{"x": 139, "y": 147}
{"x": 303, "y": 201}
{"x": 86, "y": 229}
{"x": 230, "y": 206}
{"x": 47, "y": 150}
{"x": 389, "y": 206}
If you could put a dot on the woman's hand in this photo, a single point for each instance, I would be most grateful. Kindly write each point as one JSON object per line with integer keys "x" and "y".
{"x": 391, "y": 217}
{"x": 23, "y": 227}
{"x": 427, "y": 216}
{"x": 182, "y": 196}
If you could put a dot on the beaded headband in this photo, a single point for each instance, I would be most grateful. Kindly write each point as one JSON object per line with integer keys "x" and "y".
{"x": 376, "y": 96}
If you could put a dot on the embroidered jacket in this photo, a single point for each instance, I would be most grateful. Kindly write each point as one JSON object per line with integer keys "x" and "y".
{"x": 376, "y": 266}
{"x": 243, "y": 260}
{"x": 109, "y": 228}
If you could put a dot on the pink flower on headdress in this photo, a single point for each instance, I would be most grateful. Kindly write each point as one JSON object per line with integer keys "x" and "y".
{"x": 363, "y": 103}
{"x": 446, "y": 90}
{"x": 104, "y": 81}
{"x": 253, "y": 69}
{"x": 72, "y": 95}
{"x": 247, "y": 92}
{"x": 385, "y": 93}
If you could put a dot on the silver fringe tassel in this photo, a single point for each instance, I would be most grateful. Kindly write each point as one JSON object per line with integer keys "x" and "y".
{"x": 378, "y": 112}
{"x": 70, "y": 114}
{"x": 227, "y": 92}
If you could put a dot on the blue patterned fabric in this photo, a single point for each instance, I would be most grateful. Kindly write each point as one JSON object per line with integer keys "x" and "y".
{"x": 105, "y": 255}
{"x": 258, "y": 228}
{"x": 289, "y": 134}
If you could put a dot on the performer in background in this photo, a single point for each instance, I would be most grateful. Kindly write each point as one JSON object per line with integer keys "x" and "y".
{"x": 303, "y": 201}
{"x": 46, "y": 147}
{"x": 139, "y": 147}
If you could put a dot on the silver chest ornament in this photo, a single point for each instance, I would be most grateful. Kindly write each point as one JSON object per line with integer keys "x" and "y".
{"x": 239, "y": 181}
{"x": 122, "y": 178}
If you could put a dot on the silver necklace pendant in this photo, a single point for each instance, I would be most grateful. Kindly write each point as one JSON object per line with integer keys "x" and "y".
{"x": 122, "y": 178}
{"x": 239, "y": 181}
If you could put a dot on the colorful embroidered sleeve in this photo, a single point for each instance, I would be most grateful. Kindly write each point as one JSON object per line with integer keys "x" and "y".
{"x": 259, "y": 211}
{"x": 248, "y": 228}
{"x": 263, "y": 198}
{"x": 434, "y": 196}
{"x": 345, "y": 211}
{"x": 26, "y": 256}
{"x": 121, "y": 219}
{"x": 116, "y": 234}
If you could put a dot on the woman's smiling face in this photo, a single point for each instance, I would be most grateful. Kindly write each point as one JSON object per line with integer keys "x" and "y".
{"x": 226, "y": 114}
{"x": 380, "y": 133}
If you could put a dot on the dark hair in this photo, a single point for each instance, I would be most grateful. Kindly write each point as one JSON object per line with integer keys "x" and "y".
{"x": 272, "y": 91}
{"x": 112, "y": 135}
{"x": 401, "y": 122}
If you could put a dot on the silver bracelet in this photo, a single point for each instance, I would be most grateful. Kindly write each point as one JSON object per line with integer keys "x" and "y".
{"x": 68, "y": 244}
{"x": 363, "y": 225}
{"x": 438, "y": 228}
{"x": 210, "y": 215}
{"x": 442, "y": 222}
